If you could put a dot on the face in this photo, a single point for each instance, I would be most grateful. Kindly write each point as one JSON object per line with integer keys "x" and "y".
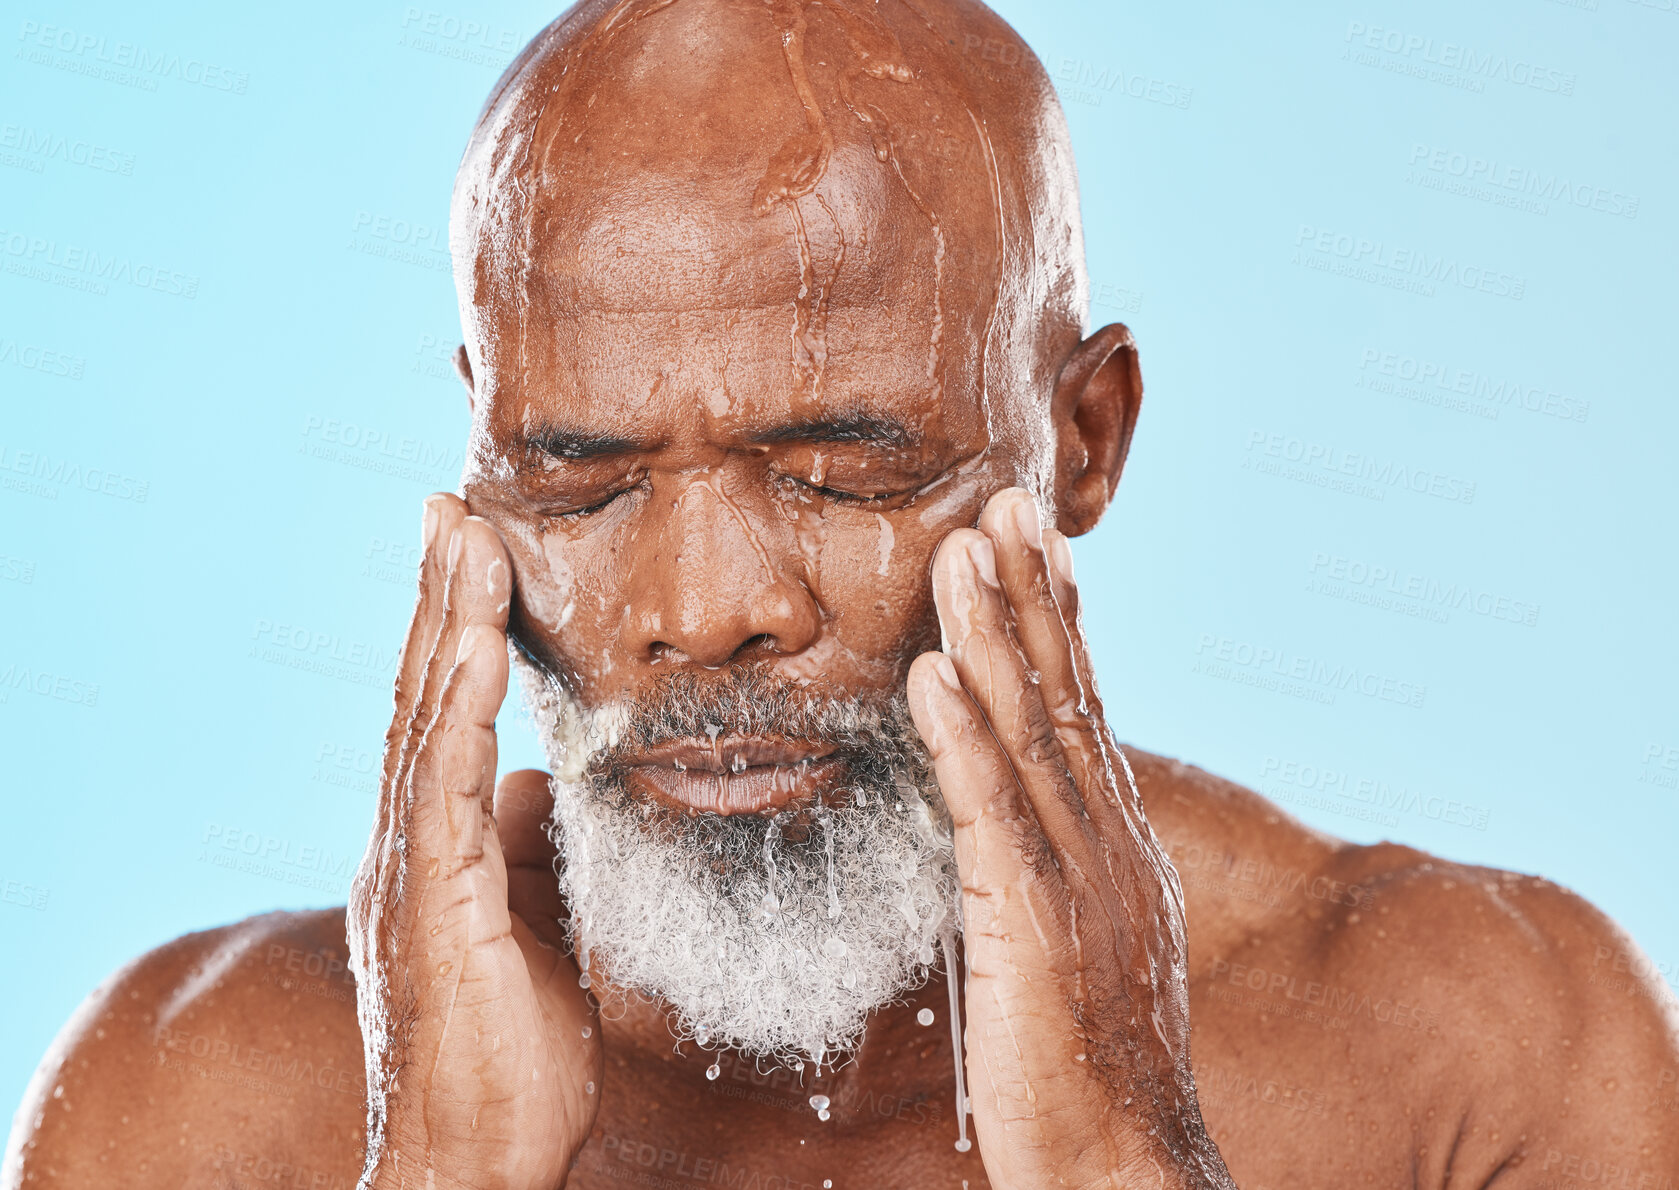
{"x": 713, "y": 481}
{"x": 723, "y": 415}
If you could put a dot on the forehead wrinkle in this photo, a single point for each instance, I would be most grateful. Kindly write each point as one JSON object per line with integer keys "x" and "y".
{"x": 647, "y": 238}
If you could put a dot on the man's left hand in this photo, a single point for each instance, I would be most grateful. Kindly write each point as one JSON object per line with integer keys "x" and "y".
{"x": 1073, "y": 924}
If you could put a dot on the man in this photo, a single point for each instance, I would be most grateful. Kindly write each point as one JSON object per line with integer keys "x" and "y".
{"x": 783, "y": 414}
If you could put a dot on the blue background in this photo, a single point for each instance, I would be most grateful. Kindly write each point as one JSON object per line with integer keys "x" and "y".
{"x": 286, "y": 419}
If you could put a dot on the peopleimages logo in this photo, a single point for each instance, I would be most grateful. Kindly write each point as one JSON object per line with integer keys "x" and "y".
{"x": 1268, "y": 453}
{"x": 1472, "y": 170}
{"x": 1493, "y": 393}
{"x": 77, "y": 266}
{"x": 1415, "y": 270}
{"x": 94, "y": 50}
{"x": 1415, "y": 53}
{"x": 1088, "y": 82}
{"x": 1358, "y": 581}
{"x": 1375, "y": 793}
{"x": 1225, "y": 657}
{"x": 38, "y": 146}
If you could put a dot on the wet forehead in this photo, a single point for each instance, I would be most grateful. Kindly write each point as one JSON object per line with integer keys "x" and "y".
{"x": 728, "y": 376}
{"x": 669, "y": 298}
{"x": 639, "y": 237}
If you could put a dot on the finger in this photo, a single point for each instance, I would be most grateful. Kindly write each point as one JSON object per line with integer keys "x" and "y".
{"x": 977, "y": 622}
{"x": 1045, "y": 633}
{"x": 524, "y": 804}
{"x": 466, "y": 754}
{"x": 447, "y": 783}
{"x": 1000, "y": 852}
{"x": 379, "y": 873}
{"x": 461, "y": 684}
{"x": 478, "y": 589}
{"x": 442, "y": 515}
{"x": 1060, "y": 556}
{"x": 456, "y": 869}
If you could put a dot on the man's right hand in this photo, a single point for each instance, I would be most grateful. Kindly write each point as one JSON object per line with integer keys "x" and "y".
{"x": 483, "y": 1052}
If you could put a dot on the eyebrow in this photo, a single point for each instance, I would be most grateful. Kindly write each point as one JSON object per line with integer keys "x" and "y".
{"x": 865, "y": 428}
{"x": 575, "y": 446}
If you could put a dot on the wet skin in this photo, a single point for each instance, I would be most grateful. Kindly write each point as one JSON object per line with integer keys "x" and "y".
{"x": 745, "y": 391}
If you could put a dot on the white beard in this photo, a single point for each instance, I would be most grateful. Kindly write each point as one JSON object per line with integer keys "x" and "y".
{"x": 775, "y": 936}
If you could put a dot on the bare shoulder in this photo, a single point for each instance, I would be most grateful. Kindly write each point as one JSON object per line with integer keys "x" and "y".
{"x": 1510, "y": 1027}
{"x": 226, "y": 1057}
{"x": 1555, "y": 1027}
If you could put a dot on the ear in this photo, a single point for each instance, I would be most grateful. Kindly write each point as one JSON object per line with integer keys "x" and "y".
{"x": 463, "y": 369}
{"x": 1094, "y": 410}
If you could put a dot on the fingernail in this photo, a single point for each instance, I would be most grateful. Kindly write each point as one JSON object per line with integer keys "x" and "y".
{"x": 469, "y": 643}
{"x": 946, "y": 671}
{"x": 430, "y": 518}
{"x": 496, "y": 579}
{"x": 457, "y": 542}
{"x": 1060, "y": 557}
{"x": 1026, "y": 520}
{"x": 984, "y": 559}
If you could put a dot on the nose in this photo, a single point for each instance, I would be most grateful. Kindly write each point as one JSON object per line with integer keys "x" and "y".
{"x": 718, "y": 583}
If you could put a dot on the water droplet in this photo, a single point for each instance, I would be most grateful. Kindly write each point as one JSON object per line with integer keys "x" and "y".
{"x": 822, "y": 1115}
{"x": 827, "y": 1184}
{"x": 820, "y": 1103}
{"x": 924, "y": 1017}
{"x": 849, "y": 979}
{"x": 712, "y": 1071}
{"x": 963, "y": 1144}
{"x": 583, "y": 980}
{"x": 444, "y": 968}
{"x": 588, "y": 1088}
{"x": 738, "y": 764}
{"x": 587, "y": 1032}
{"x": 834, "y": 948}
{"x": 701, "y": 1034}
{"x": 926, "y": 953}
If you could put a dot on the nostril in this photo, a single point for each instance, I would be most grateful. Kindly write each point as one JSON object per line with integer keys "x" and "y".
{"x": 763, "y": 641}
{"x": 661, "y": 651}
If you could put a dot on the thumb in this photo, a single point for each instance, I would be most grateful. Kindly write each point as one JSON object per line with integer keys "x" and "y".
{"x": 523, "y": 805}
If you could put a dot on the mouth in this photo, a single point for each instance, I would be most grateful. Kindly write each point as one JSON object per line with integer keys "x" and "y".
{"x": 732, "y": 774}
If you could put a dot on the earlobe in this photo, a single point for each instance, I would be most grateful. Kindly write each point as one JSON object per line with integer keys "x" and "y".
{"x": 463, "y": 369}
{"x": 1094, "y": 409}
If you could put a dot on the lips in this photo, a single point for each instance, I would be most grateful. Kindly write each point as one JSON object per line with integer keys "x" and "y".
{"x": 732, "y": 774}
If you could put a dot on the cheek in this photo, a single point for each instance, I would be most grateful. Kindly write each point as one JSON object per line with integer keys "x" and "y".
{"x": 873, "y": 574}
{"x": 570, "y": 607}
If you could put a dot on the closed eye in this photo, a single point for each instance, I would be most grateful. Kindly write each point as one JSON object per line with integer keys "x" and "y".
{"x": 839, "y": 495}
{"x": 568, "y": 514}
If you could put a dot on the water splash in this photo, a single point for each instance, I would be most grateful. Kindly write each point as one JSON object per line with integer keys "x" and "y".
{"x": 947, "y": 943}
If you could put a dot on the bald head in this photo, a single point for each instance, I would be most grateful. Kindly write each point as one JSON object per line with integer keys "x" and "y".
{"x": 761, "y": 299}
{"x": 839, "y": 167}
